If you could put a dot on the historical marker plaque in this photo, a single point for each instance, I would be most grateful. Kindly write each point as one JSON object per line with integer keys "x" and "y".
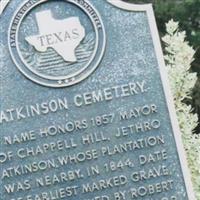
{"x": 86, "y": 112}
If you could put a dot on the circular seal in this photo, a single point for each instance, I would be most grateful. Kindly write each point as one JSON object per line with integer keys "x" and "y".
{"x": 57, "y": 43}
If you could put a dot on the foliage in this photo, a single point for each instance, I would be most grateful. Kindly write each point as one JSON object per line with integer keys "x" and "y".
{"x": 187, "y": 12}
{"x": 179, "y": 56}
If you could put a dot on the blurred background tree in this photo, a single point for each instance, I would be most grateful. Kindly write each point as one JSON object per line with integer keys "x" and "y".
{"x": 187, "y": 13}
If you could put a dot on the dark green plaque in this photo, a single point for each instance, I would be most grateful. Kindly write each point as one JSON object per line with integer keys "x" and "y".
{"x": 86, "y": 112}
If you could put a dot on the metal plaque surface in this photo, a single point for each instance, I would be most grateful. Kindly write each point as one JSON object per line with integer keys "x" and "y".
{"x": 86, "y": 112}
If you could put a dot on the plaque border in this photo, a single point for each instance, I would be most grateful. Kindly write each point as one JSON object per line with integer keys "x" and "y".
{"x": 148, "y": 8}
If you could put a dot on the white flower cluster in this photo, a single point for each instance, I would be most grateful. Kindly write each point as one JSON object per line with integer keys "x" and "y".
{"x": 179, "y": 56}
